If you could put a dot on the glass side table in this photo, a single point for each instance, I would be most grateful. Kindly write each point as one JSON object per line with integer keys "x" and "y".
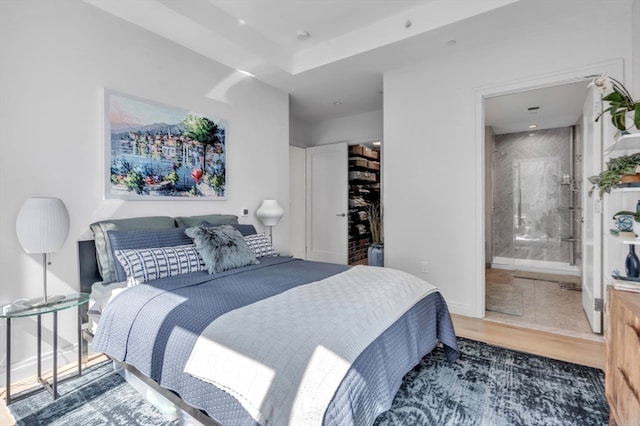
{"x": 16, "y": 310}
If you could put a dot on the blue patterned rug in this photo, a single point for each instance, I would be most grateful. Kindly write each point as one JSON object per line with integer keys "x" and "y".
{"x": 492, "y": 386}
{"x": 99, "y": 397}
{"x": 485, "y": 386}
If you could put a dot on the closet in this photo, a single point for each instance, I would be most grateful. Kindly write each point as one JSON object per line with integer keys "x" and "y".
{"x": 364, "y": 190}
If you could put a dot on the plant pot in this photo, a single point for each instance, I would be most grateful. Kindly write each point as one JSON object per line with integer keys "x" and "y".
{"x": 376, "y": 255}
{"x": 624, "y": 222}
{"x": 630, "y": 178}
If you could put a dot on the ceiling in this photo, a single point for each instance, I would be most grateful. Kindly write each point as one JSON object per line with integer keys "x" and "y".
{"x": 544, "y": 108}
{"x": 338, "y": 70}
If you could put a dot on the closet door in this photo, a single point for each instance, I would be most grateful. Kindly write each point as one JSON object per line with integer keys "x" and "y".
{"x": 327, "y": 187}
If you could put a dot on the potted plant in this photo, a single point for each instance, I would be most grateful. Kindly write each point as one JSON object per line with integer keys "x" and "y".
{"x": 376, "y": 249}
{"x": 617, "y": 169}
{"x": 625, "y": 112}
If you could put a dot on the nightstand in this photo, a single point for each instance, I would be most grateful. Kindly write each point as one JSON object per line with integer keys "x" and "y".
{"x": 16, "y": 310}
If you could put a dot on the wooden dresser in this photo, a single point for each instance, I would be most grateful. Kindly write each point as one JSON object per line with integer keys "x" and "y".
{"x": 622, "y": 375}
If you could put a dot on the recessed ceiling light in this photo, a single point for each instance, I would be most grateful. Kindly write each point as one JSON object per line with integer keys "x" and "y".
{"x": 302, "y": 35}
{"x": 532, "y": 134}
{"x": 451, "y": 43}
{"x": 241, "y": 21}
{"x": 533, "y": 126}
{"x": 337, "y": 102}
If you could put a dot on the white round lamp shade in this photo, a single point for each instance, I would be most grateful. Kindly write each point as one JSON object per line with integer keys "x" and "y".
{"x": 270, "y": 212}
{"x": 42, "y": 225}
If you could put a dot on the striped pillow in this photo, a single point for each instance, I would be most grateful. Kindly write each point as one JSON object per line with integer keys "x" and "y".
{"x": 142, "y": 265}
{"x": 260, "y": 245}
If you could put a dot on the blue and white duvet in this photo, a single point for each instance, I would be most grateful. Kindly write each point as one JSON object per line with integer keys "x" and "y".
{"x": 155, "y": 326}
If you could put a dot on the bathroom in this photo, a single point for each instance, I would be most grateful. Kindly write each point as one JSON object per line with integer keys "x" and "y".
{"x": 533, "y": 205}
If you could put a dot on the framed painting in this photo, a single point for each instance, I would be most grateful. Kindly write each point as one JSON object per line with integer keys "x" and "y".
{"x": 154, "y": 151}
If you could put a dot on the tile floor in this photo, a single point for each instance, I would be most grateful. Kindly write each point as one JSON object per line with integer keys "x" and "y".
{"x": 546, "y": 306}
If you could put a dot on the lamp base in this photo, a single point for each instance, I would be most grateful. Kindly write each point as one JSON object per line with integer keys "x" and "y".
{"x": 39, "y": 302}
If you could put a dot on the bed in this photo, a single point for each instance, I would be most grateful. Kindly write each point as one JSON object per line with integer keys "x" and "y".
{"x": 299, "y": 342}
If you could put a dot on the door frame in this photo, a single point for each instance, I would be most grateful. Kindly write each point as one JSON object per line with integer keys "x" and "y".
{"x": 613, "y": 67}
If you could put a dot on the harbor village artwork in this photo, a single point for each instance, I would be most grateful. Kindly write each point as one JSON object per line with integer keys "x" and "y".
{"x": 154, "y": 151}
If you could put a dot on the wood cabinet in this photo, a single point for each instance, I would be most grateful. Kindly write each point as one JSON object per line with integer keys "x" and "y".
{"x": 622, "y": 375}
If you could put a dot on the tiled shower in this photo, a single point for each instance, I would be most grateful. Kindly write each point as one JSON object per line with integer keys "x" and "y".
{"x": 536, "y": 201}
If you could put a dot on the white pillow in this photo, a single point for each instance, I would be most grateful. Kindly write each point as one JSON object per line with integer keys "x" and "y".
{"x": 260, "y": 244}
{"x": 142, "y": 265}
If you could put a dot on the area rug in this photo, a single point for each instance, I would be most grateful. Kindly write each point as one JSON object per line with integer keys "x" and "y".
{"x": 504, "y": 298}
{"x": 492, "y": 386}
{"x": 99, "y": 397}
{"x": 485, "y": 386}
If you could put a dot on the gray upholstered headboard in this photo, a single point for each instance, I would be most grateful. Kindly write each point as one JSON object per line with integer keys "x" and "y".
{"x": 88, "y": 264}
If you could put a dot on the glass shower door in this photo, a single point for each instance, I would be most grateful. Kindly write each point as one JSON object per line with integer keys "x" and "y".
{"x": 537, "y": 227}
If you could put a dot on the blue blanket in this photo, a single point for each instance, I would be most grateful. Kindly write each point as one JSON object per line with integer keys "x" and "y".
{"x": 155, "y": 325}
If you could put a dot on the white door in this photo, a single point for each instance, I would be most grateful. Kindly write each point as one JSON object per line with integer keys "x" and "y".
{"x": 592, "y": 279}
{"x": 327, "y": 198}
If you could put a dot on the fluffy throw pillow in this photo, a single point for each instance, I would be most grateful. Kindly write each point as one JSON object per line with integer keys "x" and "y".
{"x": 142, "y": 265}
{"x": 260, "y": 244}
{"x": 221, "y": 247}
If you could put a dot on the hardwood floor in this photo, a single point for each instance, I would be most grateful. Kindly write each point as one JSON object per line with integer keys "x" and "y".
{"x": 566, "y": 348}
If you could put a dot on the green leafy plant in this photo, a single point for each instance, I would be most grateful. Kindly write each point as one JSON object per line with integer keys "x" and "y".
{"x": 616, "y": 168}
{"x": 620, "y": 102}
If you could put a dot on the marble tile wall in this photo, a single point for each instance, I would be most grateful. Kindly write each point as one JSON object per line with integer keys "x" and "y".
{"x": 531, "y": 196}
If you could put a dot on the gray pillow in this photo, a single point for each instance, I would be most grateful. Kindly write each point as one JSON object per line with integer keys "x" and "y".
{"x": 245, "y": 229}
{"x": 104, "y": 254}
{"x": 221, "y": 247}
{"x": 214, "y": 219}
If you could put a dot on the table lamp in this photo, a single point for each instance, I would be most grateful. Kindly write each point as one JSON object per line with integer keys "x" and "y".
{"x": 42, "y": 226}
{"x": 269, "y": 214}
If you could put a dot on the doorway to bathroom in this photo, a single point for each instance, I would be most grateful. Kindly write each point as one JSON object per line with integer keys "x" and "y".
{"x": 533, "y": 211}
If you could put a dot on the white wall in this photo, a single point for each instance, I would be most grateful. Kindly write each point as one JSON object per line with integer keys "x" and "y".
{"x": 56, "y": 58}
{"x": 356, "y": 128}
{"x": 433, "y": 134}
{"x": 299, "y": 133}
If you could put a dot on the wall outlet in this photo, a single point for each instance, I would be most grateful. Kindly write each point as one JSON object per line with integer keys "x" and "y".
{"x": 244, "y": 212}
{"x": 424, "y": 267}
